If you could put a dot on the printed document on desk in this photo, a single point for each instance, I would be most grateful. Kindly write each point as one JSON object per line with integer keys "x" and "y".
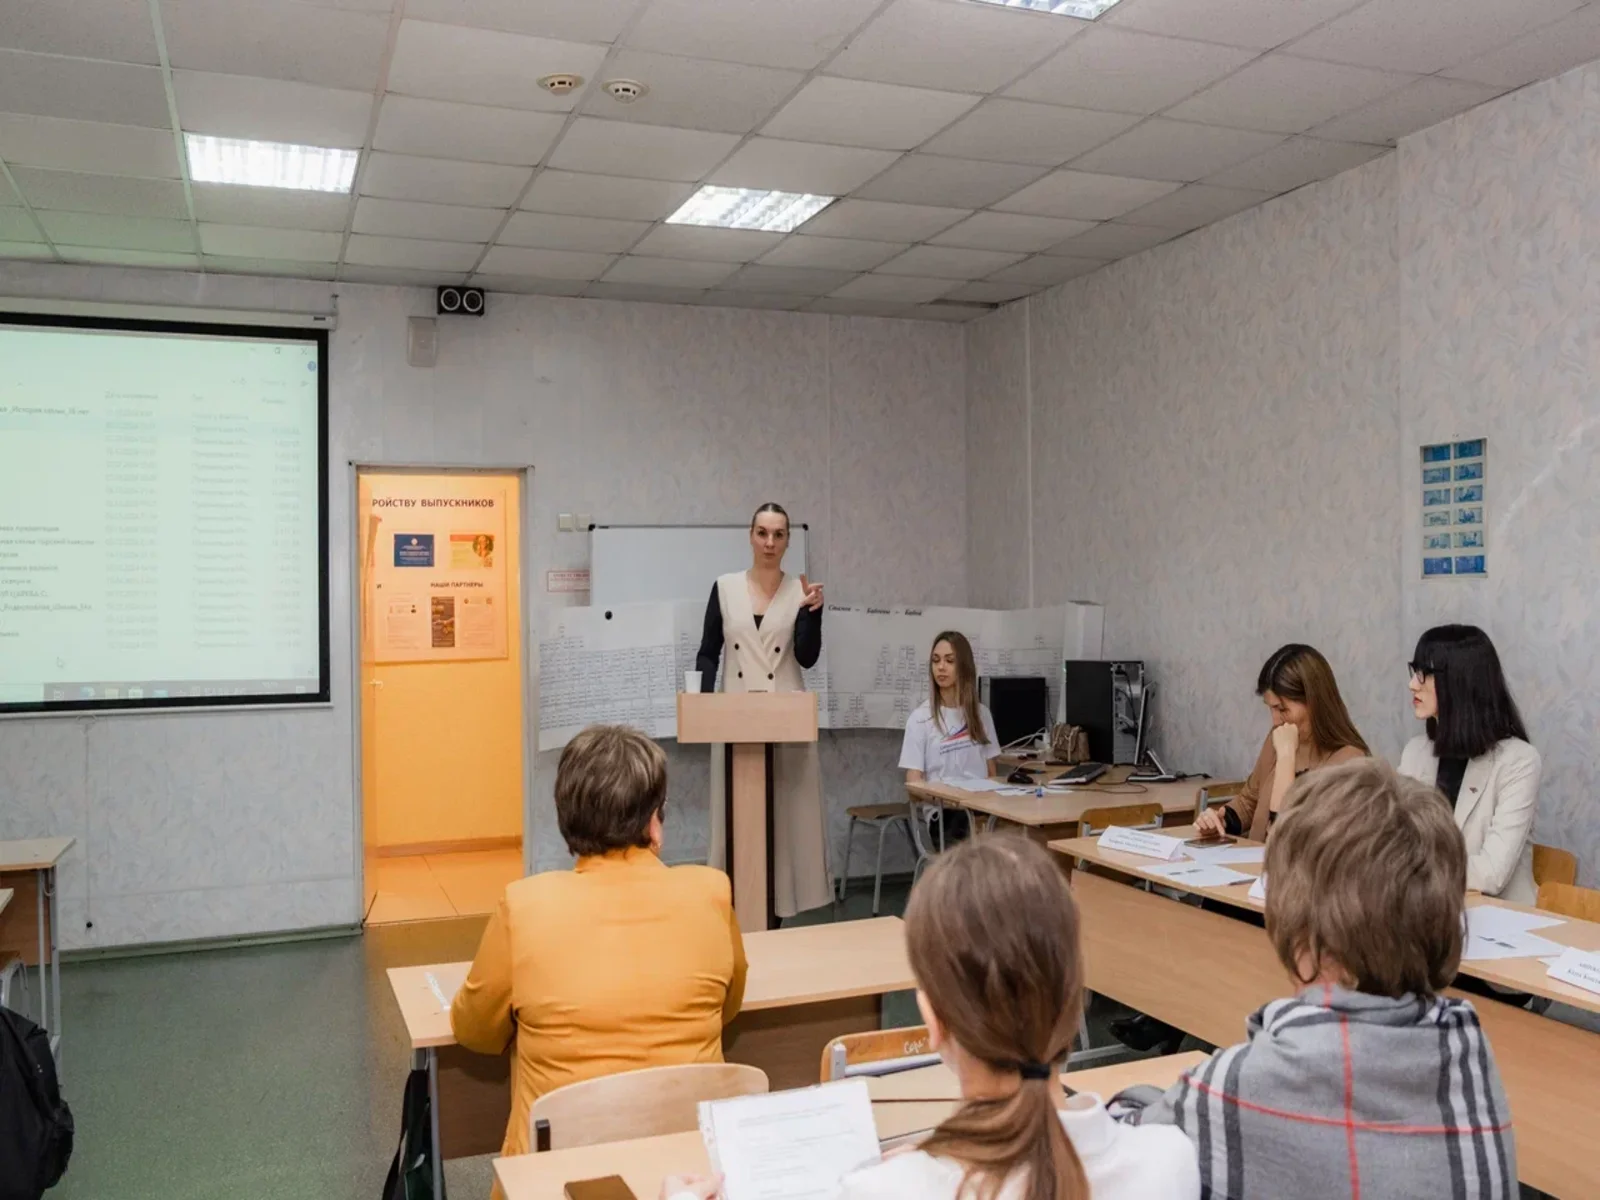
{"x": 1494, "y": 932}
{"x": 1198, "y": 874}
{"x": 793, "y": 1145}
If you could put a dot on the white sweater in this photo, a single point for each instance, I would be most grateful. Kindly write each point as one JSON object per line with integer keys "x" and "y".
{"x": 1122, "y": 1162}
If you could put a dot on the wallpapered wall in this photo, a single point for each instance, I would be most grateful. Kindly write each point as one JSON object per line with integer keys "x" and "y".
{"x": 1224, "y": 435}
{"x": 204, "y": 825}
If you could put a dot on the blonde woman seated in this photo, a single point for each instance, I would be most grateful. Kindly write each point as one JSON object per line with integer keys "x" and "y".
{"x": 618, "y": 964}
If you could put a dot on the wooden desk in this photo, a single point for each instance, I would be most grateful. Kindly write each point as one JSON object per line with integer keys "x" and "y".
{"x": 1057, "y": 813}
{"x": 32, "y": 864}
{"x": 805, "y": 986}
{"x": 5, "y": 898}
{"x": 1517, "y": 974}
{"x": 938, "y": 1084}
{"x": 643, "y": 1162}
{"x": 1206, "y": 973}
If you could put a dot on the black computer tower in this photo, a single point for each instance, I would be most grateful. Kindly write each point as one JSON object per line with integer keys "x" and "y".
{"x": 1019, "y": 704}
{"x": 1105, "y": 698}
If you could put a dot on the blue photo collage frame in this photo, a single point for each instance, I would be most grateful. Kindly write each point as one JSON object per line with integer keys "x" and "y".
{"x": 1454, "y": 493}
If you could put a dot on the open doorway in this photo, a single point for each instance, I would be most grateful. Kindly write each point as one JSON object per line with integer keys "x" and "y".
{"x": 442, "y": 691}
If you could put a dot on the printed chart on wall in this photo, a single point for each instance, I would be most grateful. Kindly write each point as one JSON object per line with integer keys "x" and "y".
{"x": 1454, "y": 537}
{"x": 436, "y": 572}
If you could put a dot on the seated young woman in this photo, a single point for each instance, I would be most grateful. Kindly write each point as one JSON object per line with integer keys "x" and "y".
{"x": 1476, "y": 752}
{"x": 618, "y": 964}
{"x": 1311, "y": 728}
{"x": 950, "y": 736}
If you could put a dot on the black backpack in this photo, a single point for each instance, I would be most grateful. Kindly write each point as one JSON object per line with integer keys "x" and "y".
{"x": 411, "y": 1172}
{"x": 35, "y": 1122}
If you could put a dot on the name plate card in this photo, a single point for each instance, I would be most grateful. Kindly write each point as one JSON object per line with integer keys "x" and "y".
{"x": 1258, "y": 889}
{"x": 1141, "y": 841}
{"x": 1580, "y": 968}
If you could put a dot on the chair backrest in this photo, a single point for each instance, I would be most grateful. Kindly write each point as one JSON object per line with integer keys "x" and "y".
{"x": 1551, "y": 864}
{"x": 878, "y": 1052}
{"x": 636, "y": 1104}
{"x": 1135, "y": 816}
{"x": 1570, "y": 900}
{"x": 1216, "y": 793}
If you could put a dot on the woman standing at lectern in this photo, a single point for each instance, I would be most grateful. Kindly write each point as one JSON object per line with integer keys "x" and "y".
{"x": 763, "y": 626}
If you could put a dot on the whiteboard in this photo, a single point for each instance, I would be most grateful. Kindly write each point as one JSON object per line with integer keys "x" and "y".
{"x": 634, "y": 564}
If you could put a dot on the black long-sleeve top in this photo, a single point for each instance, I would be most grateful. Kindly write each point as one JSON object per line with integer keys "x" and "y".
{"x": 807, "y": 640}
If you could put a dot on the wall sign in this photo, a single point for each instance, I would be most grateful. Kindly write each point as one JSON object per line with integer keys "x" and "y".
{"x": 1454, "y": 531}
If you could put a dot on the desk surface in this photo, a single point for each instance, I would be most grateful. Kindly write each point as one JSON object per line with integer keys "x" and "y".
{"x": 1519, "y": 974}
{"x": 938, "y": 1082}
{"x": 33, "y": 854}
{"x": 644, "y": 1162}
{"x": 1062, "y": 807}
{"x": 804, "y": 965}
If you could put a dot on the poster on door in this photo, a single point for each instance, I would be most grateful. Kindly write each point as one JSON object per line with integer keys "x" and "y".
{"x": 436, "y": 573}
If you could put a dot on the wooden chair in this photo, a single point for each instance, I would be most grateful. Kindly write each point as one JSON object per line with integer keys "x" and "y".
{"x": 636, "y": 1104}
{"x": 1554, "y": 865}
{"x": 1130, "y": 816}
{"x": 1215, "y": 793}
{"x": 1570, "y": 900}
{"x": 882, "y": 817}
{"x": 877, "y": 1052}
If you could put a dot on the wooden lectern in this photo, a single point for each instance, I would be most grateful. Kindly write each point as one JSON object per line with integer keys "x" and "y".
{"x": 750, "y": 723}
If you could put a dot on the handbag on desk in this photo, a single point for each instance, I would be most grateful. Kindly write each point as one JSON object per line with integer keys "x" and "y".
{"x": 1069, "y": 744}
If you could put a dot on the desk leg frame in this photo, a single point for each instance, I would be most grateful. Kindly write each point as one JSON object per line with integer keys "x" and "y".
{"x": 429, "y": 1059}
{"x": 49, "y": 958}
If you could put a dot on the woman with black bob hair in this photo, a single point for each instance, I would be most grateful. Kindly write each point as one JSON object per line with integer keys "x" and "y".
{"x": 1476, "y": 752}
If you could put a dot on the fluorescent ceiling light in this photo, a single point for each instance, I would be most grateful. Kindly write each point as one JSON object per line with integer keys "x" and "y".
{"x": 1086, "y": 10}
{"x": 269, "y": 164}
{"x": 746, "y": 208}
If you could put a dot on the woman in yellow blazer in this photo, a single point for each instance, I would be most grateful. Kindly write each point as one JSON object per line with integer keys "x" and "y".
{"x": 618, "y": 964}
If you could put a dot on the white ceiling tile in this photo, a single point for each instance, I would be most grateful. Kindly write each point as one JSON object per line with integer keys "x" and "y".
{"x": 253, "y": 241}
{"x": 118, "y": 30}
{"x": 1426, "y": 36}
{"x": 857, "y": 308}
{"x": 88, "y": 146}
{"x": 787, "y": 280}
{"x": 572, "y": 20}
{"x": 81, "y": 90}
{"x": 1195, "y": 205}
{"x": 553, "y": 232}
{"x": 1542, "y": 54}
{"x": 605, "y": 196}
{"x": 702, "y": 242}
{"x": 785, "y": 301}
{"x": 231, "y": 265}
{"x": 1425, "y": 102}
{"x": 669, "y": 272}
{"x": 474, "y": 132}
{"x": 1175, "y": 150}
{"x": 949, "y": 262}
{"x": 831, "y": 253}
{"x": 693, "y": 93}
{"x": 1287, "y": 95}
{"x": 370, "y": 251}
{"x": 853, "y": 112}
{"x": 271, "y": 110}
{"x": 1113, "y": 240}
{"x": 285, "y": 39}
{"x": 9, "y": 196}
{"x": 440, "y": 181}
{"x": 528, "y": 286}
{"x": 30, "y": 250}
{"x": 953, "y": 182}
{"x": 1011, "y": 231}
{"x": 127, "y": 233}
{"x": 1257, "y": 24}
{"x": 642, "y": 151}
{"x": 479, "y": 66}
{"x": 801, "y": 167}
{"x": 232, "y": 204}
{"x": 17, "y": 226}
{"x": 1017, "y": 131}
{"x": 900, "y": 289}
{"x": 115, "y": 195}
{"x": 877, "y": 221}
{"x": 647, "y": 293}
{"x": 1046, "y": 270}
{"x": 945, "y": 311}
{"x": 1119, "y": 71}
{"x": 397, "y": 276}
{"x": 110, "y": 256}
{"x": 433, "y": 222}
{"x": 798, "y": 36}
{"x": 1296, "y": 162}
{"x": 993, "y": 293}
{"x": 1085, "y": 196}
{"x": 546, "y": 264}
{"x": 968, "y": 47}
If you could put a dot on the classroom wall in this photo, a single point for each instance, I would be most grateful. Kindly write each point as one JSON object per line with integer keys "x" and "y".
{"x": 1224, "y": 439}
{"x": 207, "y": 825}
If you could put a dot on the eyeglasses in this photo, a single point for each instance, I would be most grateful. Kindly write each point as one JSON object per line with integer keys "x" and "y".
{"x": 1420, "y": 672}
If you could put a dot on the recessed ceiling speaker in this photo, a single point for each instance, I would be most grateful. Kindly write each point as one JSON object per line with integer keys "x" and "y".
{"x": 459, "y": 302}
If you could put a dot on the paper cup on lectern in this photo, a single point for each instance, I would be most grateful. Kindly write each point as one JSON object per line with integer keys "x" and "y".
{"x": 691, "y": 681}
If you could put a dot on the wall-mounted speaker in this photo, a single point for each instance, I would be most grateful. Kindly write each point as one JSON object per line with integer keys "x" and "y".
{"x": 459, "y": 302}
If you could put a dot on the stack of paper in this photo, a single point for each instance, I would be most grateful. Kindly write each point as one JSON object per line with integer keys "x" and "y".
{"x": 790, "y": 1145}
{"x": 1221, "y": 855}
{"x": 1494, "y": 932}
{"x": 1198, "y": 874}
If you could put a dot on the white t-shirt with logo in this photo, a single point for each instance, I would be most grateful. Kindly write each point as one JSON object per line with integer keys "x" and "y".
{"x": 950, "y": 753}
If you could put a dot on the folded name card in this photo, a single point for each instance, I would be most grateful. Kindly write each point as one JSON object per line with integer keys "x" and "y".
{"x": 1580, "y": 968}
{"x": 1141, "y": 841}
{"x": 1258, "y": 889}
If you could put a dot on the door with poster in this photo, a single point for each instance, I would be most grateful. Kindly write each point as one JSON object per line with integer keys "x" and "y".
{"x": 442, "y": 662}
